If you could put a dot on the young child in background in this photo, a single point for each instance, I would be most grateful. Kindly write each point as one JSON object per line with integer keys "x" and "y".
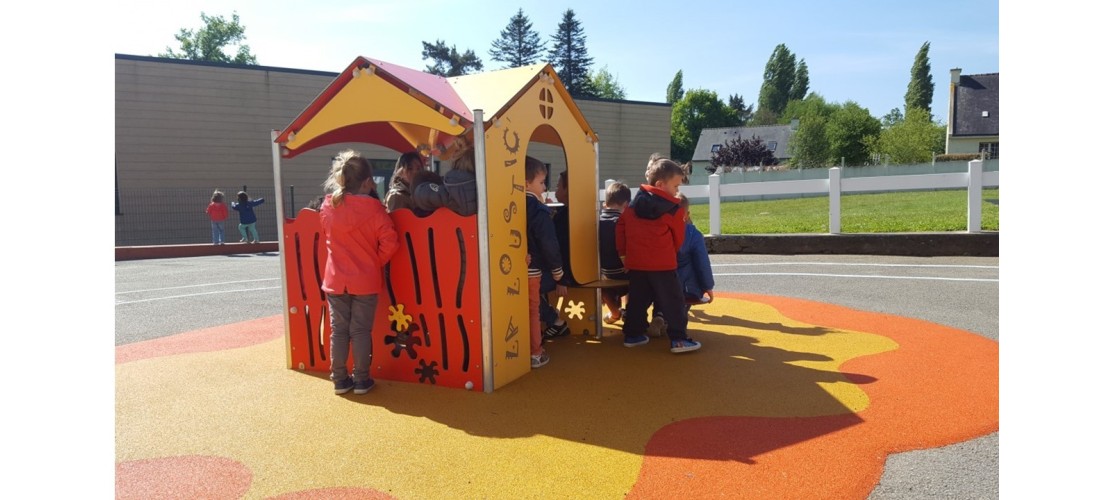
{"x": 247, "y": 219}
{"x": 617, "y": 196}
{"x": 217, "y": 213}
{"x": 400, "y": 192}
{"x": 694, "y": 271}
{"x": 462, "y": 185}
{"x": 556, "y": 325}
{"x": 543, "y": 252}
{"x": 429, "y": 193}
{"x": 649, "y": 234}
{"x": 360, "y": 240}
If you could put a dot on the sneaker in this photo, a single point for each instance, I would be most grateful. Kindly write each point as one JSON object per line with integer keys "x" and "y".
{"x": 244, "y": 240}
{"x": 540, "y": 360}
{"x": 657, "y": 327}
{"x": 635, "y": 340}
{"x": 342, "y": 386}
{"x": 684, "y": 345}
{"x": 556, "y": 331}
{"x": 364, "y": 386}
{"x": 255, "y": 242}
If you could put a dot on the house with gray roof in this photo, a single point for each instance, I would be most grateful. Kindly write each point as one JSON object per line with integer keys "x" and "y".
{"x": 776, "y": 137}
{"x": 973, "y": 114}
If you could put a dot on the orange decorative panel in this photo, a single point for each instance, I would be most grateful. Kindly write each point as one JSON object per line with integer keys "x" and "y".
{"x": 427, "y": 328}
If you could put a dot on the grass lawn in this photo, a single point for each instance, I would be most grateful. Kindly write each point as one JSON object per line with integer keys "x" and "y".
{"x": 902, "y": 212}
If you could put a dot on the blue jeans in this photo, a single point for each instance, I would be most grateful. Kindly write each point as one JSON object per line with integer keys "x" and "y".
{"x": 352, "y": 320}
{"x": 217, "y": 232}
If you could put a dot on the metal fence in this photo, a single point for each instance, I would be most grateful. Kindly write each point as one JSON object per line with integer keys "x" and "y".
{"x": 176, "y": 216}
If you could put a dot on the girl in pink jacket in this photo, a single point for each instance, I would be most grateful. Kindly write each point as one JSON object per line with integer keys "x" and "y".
{"x": 360, "y": 240}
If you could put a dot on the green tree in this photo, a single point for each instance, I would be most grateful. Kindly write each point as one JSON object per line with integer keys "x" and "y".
{"x": 813, "y": 104}
{"x": 743, "y": 112}
{"x": 809, "y": 146}
{"x": 519, "y": 44}
{"x": 800, "y": 87}
{"x": 895, "y": 116}
{"x": 913, "y": 140}
{"x": 848, "y": 131}
{"x": 605, "y": 85}
{"x": 698, "y": 109}
{"x": 569, "y": 56}
{"x": 448, "y": 61}
{"x": 778, "y": 79}
{"x": 919, "y": 93}
{"x": 207, "y": 43}
{"x": 674, "y": 89}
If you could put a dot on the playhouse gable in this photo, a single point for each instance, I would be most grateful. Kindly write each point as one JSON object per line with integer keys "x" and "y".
{"x": 377, "y": 102}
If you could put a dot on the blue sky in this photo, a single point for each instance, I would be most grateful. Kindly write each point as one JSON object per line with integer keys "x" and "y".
{"x": 858, "y": 50}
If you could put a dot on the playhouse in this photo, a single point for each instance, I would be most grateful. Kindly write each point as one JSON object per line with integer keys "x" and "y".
{"x": 455, "y": 309}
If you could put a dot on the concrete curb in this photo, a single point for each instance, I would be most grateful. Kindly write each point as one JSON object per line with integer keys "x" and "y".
{"x": 907, "y": 244}
{"x": 174, "y": 251}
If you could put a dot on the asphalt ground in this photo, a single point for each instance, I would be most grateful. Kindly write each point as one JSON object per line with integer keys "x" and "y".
{"x": 164, "y": 297}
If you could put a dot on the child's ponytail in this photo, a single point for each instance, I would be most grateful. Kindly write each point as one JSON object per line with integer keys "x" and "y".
{"x": 348, "y": 171}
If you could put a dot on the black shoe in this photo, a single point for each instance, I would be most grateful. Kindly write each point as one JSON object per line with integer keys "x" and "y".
{"x": 556, "y": 331}
{"x": 364, "y": 386}
{"x": 342, "y": 386}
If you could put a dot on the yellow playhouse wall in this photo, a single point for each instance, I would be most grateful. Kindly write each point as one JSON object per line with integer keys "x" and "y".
{"x": 506, "y": 145}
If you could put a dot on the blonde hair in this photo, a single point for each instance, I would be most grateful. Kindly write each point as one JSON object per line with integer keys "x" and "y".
{"x": 218, "y": 196}
{"x": 348, "y": 171}
{"x": 465, "y": 160}
{"x": 660, "y": 168}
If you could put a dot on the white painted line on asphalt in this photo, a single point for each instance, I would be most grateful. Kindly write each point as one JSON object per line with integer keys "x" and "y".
{"x": 955, "y": 266}
{"x": 194, "y": 286}
{"x": 857, "y": 276}
{"x": 198, "y": 294}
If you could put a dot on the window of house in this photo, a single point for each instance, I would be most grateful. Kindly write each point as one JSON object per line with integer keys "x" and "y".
{"x": 772, "y": 145}
{"x": 991, "y": 148}
{"x": 715, "y": 148}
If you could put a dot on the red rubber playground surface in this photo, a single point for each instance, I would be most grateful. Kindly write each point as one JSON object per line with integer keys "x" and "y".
{"x": 787, "y": 398}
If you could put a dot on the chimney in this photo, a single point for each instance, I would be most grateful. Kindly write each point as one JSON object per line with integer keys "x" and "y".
{"x": 955, "y": 76}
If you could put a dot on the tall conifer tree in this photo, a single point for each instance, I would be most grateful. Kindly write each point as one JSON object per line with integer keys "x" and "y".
{"x": 919, "y": 93}
{"x": 569, "y": 56}
{"x": 778, "y": 78}
{"x": 800, "y": 87}
{"x": 519, "y": 44}
{"x": 674, "y": 89}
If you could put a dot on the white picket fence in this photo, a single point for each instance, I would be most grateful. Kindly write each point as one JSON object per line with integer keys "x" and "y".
{"x": 974, "y": 180}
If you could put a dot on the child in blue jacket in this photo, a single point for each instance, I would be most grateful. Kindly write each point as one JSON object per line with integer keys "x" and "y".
{"x": 247, "y": 219}
{"x": 694, "y": 271}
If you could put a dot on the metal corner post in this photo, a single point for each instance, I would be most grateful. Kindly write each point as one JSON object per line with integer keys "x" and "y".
{"x": 279, "y": 207}
{"x": 483, "y": 251}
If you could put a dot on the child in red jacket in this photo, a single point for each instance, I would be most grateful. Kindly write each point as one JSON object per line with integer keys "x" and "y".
{"x": 217, "y": 213}
{"x": 360, "y": 239}
{"x": 649, "y": 234}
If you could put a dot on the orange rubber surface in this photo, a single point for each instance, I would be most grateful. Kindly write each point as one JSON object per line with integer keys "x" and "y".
{"x": 786, "y": 399}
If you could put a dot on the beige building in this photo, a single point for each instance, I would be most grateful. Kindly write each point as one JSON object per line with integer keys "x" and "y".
{"x": 186, "y": 128}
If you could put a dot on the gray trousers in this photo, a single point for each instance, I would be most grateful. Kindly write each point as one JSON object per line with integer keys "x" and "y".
{"x": 352, "y": 319}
